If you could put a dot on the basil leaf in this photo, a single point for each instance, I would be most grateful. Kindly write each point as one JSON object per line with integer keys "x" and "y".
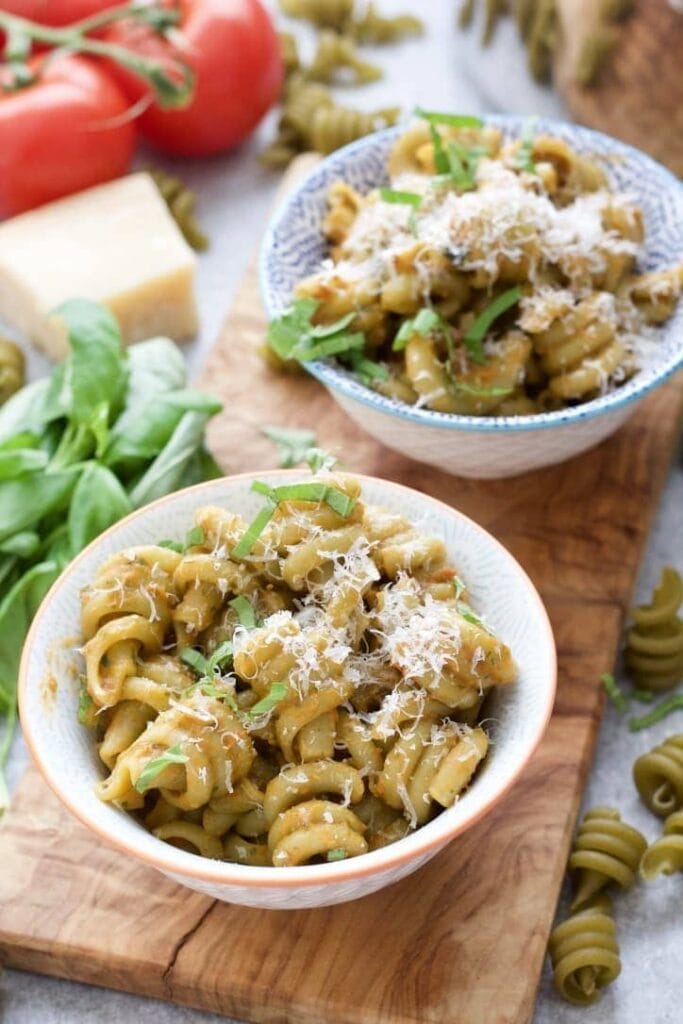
{"x": 17, "y": 608}
{"x": 221, "y": 657}
{"x": 292, "y": 443}
{"x": 477, "y": 332}
{"x": 468, "y": 615}
{"x": 24, "y": 545}
{"x": 172, "y": 545}
{"x": 151, "y": 428}
{"x": 318, "y": 460}
{"x": 17, "y": 461}
{"x": 25, "y": 411}
{"x": 27, "y": 499}
{"x": 367, "y": 369}
{"x": 455, "y": 120}
{"x": 332, "y": 346}
{"x": 166, "y": 472}
{"x": 275, "y": 695}
{"x": 196, "y": 661}
{"x": 482, "y": 392}
{"x": 325, "y": 330}
{"x": 245, "y": 612}
{"x": 458, "y": 586}
{"x": 157, "y": 765}
{"x": 285, "y": 332}
{"x": 391, "y": 195}
{"x": 253, "y": 532}
{"x": 524, "y": 157}
{"x": 426, "y": 321}
{"x": 339, "y": 853}
{"x": 194, "y": 537}
{"x": 441, "y": 162}
{"x": 98, "y": 501}
{"x": 95, "y": 372}
{"x": 155, "y": 367}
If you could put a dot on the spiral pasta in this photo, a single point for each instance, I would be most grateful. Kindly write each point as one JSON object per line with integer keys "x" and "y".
{"x": 335, "y": 53}
{"x": 653, "y": 650}
{"x": 605, "y": 850}
{"x": 491, "y": 277}
{"x": 373, "y": 27}
{"x": 12, "y": 369}
{"x": 658, "y": 776}
{"x": 181, "y": 202}
{"x": 301, "y": 692}
{"x": 584, "y": 952}
{"x": 665, "y": 855}
{"x": 322, "y": 13}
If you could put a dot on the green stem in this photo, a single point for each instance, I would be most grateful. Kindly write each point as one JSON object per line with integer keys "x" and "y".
{"x": 171, "y": 90}
{"x": 158, "y": 17}
{"x": 10, "y": 726}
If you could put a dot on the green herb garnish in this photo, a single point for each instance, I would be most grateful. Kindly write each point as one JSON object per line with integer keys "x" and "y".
{"x": 275, "y": 695}
{"x": 614, "y": 691}
{"x": 367, "y": 369}
{"x": 463, "y": 162}
{"x": 157, "y": 765}
{"x": 245, "y": 611}
{"x": 468, "y": 615}
{"x": 339, "y": 853}
{"x": 666, "y": 707}
{"x": 292, "y": 443}
{"x": 85, "y": 706}
{"x": 524, "y": 156}
{"x": 196, "y": 661}
{"x": 458, "y": 586}
{"x": 475, "y": 334}
{"x": 483, "y": 392}
{"x": 320, "y": 461}
{"x": 441, "y": 161}
{"x": 455, "y": 120}
{"x": 426, "y": 321}
{"x": 391, "y": 195}
{"x": 318, "y": 492}
{"x": 193, "y": 537}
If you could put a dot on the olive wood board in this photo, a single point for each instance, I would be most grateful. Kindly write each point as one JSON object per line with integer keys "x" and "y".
{"x": 463, "y": 939}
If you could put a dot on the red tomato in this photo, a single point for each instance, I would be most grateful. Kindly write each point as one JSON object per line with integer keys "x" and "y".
{"x": 62, "y": 134}
{"x": 55, "y": 12}
{"x": 234, "y": 51}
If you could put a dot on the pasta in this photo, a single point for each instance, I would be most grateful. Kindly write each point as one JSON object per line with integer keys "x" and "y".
{"x": 658, "y": 776}
{"x": 12, "y": 370}
{"x": 366, "y": 25}
{"x": 337, "y": 53}
{"x": 181, "y": 202}
{"x": 584, "y": 952}
{"x": 605, "y": 850}
{"x": 665, "y": 855}
{"x": 322, "y": 13}
{"x": 653, "y": 652}
{"x": 492, "y": 277}
{"x": 303, "y": 688}
{"x": 372, "y": 27}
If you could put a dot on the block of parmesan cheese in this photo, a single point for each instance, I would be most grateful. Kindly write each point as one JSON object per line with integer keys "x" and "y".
{"x": 116, "y": 244}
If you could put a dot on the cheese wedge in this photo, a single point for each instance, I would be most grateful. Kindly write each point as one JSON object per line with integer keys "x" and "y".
{"x": 116, "y": 244}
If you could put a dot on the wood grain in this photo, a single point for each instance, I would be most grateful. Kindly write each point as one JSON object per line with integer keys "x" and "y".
{"x": 639, "y": 96}
{"x": 463, "y": 939}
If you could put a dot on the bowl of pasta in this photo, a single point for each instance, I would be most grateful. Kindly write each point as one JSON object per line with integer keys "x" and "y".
{"x": 489, "y": 296}
{"x": 287, "y": 693}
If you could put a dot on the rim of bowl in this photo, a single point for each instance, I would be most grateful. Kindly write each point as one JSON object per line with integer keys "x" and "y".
{"x": 304, "y": 876}
{"x": 339, "y": 380}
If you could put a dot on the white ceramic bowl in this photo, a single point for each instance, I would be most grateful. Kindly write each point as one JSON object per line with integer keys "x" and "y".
{"x": 65, "y": 752}
{"x": 478, "y": 446}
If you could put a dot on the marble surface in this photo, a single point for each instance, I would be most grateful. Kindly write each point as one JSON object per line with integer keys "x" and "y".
{"x": 443, "y": 70}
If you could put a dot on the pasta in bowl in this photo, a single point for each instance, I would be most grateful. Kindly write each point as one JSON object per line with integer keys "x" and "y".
{"x": 293, "y": 712}
{"x": 460, "y": 282}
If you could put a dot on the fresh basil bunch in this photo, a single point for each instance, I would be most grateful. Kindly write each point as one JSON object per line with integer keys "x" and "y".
{"x": 107, "y": 432}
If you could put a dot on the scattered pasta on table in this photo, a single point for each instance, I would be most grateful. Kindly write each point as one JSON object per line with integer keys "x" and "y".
{"x": 302, "y": 688}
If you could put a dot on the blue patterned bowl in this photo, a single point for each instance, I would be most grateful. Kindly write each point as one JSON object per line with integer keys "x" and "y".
{"x": 470, "y": 445}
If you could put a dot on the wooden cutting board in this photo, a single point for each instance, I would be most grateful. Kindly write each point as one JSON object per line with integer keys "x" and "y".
{"x": 462, "y": 940}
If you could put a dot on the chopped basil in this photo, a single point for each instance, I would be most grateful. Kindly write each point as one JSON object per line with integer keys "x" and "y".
{"x": 194, "y": 537}
{"x": 482, "y": 392}
{"x": 666, "y": 707}
{"x": 325, "y": 330}
{"x": 367, "y": 369}
{"x": 245, "y": 611}
{"x": 293, "y": 336}
{"x": 275, "y": 695}
{"x": 426, "y": 321}
{"x": 319, "y": 492}
{"x": 157, "y": 765}
{"x": 292, "y": 443}
{"x": 391, "y": 195}
{"x": 221, "y": 657}
{"x": 455, "y": 120}
{"x": 285, "y": 332}
{"x": 441, "y": 162}
{"x": 524, "y": 156}
{"x": 319, "y": 460}
{"x": 477, "y": 332}
{"x": 196, "y": 661}
{"x": 614, "y": 692}
{"x": 458, "y": 586}
{"x": 85, "y": 706}
{"x": 339, "y": 853}
{"x": 211, "y": 690}
{"x": 468, "y": 615}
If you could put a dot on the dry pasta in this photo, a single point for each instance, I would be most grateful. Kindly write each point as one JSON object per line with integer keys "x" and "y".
{"x": 658, "y": 776}
{"x": 335, "y": 54}
{"x": 181, "y": 202}
{"x": 291, "y": 691}
{"x": 492, "y": 276}
{"x": 653, "y": 652}
{"x": 584, "y": 952}
{"x": 665, "y": 855}
{"x": 605, "y": 850}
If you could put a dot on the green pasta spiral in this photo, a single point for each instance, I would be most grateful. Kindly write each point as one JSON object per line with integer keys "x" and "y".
{"x": 12, "y": 370}
{"x": 653, "y": 652}
{"x": 665, "y": 855}
{"x": 334, "y": 127}
{"x": 605, "y": 850}
{"x": 584, "y": 952}
{"x": 181, "y": 202}
{"x": 372, "y": 27}
{"x": 322, "y": 13}
{"x": 337, "y": 53}
{"x": 658, "y": 776}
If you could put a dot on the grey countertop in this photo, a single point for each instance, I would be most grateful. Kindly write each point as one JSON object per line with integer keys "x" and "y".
{"x": 445, "y": 71}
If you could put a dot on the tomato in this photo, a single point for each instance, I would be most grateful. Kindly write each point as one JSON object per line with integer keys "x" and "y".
{"x": 63, "y": 133}
{"x": 55, "y": 12}
{"x": 234, "y": 51}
